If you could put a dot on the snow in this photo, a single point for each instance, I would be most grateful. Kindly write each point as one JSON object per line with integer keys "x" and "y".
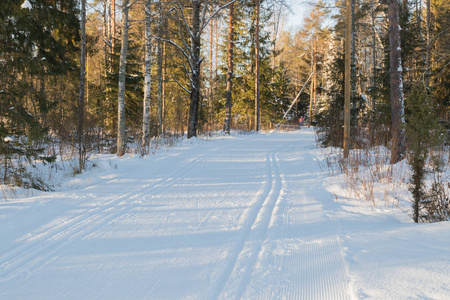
{"x": 26, "y": 5}
{"x": 229, "y": 217}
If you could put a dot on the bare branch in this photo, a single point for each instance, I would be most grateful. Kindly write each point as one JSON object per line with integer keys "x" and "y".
{"x": 177, "y": 5}
{"x": 182, "y": 86}
{"x": 205, "y": 23}
{"x": 185, "y": 54}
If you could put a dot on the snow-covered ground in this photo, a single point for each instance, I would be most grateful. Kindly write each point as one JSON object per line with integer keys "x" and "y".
{"x": 240, "y": 217}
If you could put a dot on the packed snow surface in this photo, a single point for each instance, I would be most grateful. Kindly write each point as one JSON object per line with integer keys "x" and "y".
{"x": 240, "y": 217}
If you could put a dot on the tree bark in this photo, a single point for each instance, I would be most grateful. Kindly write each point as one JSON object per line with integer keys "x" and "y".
{"x": 257, "y": 92}
{"x": 374, "y": 77}
{"x": 396, "y": 84}
{"x": 147, "y": 77}
{"x": 428, "y": 46}
{"x": 210, "y": 92}
{"x": 160, "y": 76}
{"x": 347, "y": 84}
{"x": 121, "y": 134}
{"x": 164, "y": 75}
{"x": 314, "y": 79}
{"x": 113, "y": 25}
{"x": 229, "y": 92}
{"x": 195, "y": 62}
{"x": 353, "y": 59}
{"x": 312, "y": 96}
{"x": 82, "y": 87}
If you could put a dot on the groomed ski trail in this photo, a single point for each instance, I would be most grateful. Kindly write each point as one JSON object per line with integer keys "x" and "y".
{"x": 238, "y": 218}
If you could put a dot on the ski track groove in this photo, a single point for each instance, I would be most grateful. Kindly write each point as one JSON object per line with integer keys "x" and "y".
{"x": 255, "y": 222}
{"x": 51, "y": 241}
{"x": 315, "y": 269}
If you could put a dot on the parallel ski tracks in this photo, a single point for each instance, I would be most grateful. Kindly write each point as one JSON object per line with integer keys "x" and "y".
{"x": 36, "y": 249}
{"x": 308, "y": 251}
{"x": 245, "y": 253}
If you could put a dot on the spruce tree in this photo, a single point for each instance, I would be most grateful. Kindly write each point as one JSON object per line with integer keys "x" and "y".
{"x": 38, "y": 45}
{"x": 423, "y": 133}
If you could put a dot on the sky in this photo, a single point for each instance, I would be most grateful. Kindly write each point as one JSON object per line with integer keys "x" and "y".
{"x": 300, "y": 11}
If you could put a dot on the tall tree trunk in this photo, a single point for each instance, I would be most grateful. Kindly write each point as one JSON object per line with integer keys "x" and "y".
{"x": 195, "y": 63}
{"x": 347, "y": 84}
{"x": 314, "y": 79}
{"x": 210, "y": 92}
{"x": 82, "y": 87}
{"x": 312, "y": 96}
{"x": 229, "y": 92}
{"x": 121, "y": 134}
{"x": 428, "y": 49}
{"x": 257, "y": 92}
{"x": 147, "y": 77}
{"x": 113, "y": 25}
{"x": 164, "y": 75}
{"x": 160, "y": 74}
{"x": 374, "y": 77}
{"x": 396, "y": 84}
{"x": 216, "y": 62}
{"x": 353, "y": 60}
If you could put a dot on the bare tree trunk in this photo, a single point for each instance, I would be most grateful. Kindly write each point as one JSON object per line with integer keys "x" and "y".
{"x": 353, "y": 60}
{"x": 428, "y": 49}
{"x": 216, "y": 63}
{"x": 164, "y": 74}
{"x": 257, "y": 93}
{"x": 374, "y": 77}
{"x": 113, "y": 25}
{"x": 312, "y": 96}
{"x": 104, "y": 90}
{"x": 195, "y": 62}
{"x": 110, "y": 117}
{"x": 229, "y": 92}
{"x": 310, "y": 115}
{"x": 210, "y": 92}
{"x": 347, "y": 84}
{"x": 147, "y": 78}
{"x": 160, "y": 83}
{"x": 396, "y": 83}
{"x": 314, "y": 76}
{"x": 82, "y": 87}
{"x": 121, "y": 134}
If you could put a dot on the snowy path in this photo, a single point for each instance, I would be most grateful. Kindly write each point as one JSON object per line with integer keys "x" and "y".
{"x": 245, "y": 217}
{"x": 234, "y": 220}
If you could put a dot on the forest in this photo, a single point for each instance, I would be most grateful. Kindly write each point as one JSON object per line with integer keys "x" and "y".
{"x": 121, "y": 76}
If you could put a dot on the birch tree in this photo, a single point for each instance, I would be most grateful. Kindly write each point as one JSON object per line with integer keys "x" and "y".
{"x": 121, "y": 134}
{"x": 147, "y": 76}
